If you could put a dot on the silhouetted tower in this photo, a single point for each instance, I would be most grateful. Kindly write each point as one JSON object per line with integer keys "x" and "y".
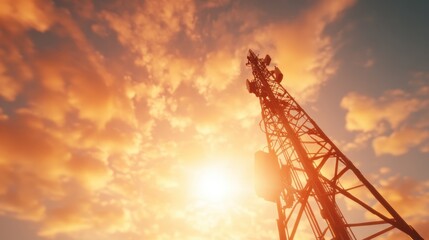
{"x": 317, "y": 189}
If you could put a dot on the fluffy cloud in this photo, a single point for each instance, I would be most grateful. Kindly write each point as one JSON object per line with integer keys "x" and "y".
{"x": 368, "y": 114}
{"x": 399, "y": 141}
{"x": 394, "y": 121}
{"x": 219, "y": 70}
{"x": 27, "y": 14}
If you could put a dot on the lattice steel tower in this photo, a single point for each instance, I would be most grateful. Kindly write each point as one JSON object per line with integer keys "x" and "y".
{"x": 317, "y": 189}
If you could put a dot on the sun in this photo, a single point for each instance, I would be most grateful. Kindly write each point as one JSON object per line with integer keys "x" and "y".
{"x": 214, "y": 184}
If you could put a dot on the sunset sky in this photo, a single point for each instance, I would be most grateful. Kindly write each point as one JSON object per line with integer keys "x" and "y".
{"x": 131, "y": 120}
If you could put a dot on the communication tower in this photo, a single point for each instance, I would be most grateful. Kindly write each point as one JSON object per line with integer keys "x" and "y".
{"x": 316, "y": 188}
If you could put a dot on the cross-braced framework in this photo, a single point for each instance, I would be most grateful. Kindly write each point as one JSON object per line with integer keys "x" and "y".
{"x": 322, "y": 192}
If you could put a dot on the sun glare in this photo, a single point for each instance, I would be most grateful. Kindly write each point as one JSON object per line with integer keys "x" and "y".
{"x": 214, "y": 184}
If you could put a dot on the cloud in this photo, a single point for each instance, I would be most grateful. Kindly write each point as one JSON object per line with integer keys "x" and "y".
{"x": 219, "y": 70}
{"x": 360, "y": 140}
{"x": 394, "y": 121}
{"x": 11, "y": 88}
{"x": 27, "y": 14}
{"x": 15, "y": 18}
{"x": 23, "y": 132}
{"x": 27, "y": 148}
{"x": 3, "y": 116}
{"x": 215, "y": 3}
{"x": 90, "y": 171}
{"x": 368, "y": 114}
{"x": 400, "y": 141}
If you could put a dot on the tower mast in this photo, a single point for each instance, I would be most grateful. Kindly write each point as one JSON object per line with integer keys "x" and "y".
{"x": 315, "y": 186}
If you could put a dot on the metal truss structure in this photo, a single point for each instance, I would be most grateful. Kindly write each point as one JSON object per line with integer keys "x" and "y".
{"x": 322, "y": 194}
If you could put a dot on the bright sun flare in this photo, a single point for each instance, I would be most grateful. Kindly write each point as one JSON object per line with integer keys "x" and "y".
{"x": 214, "y": 184}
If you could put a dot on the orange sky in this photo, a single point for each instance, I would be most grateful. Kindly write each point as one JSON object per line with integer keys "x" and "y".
{"x": 113, "y": 114}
